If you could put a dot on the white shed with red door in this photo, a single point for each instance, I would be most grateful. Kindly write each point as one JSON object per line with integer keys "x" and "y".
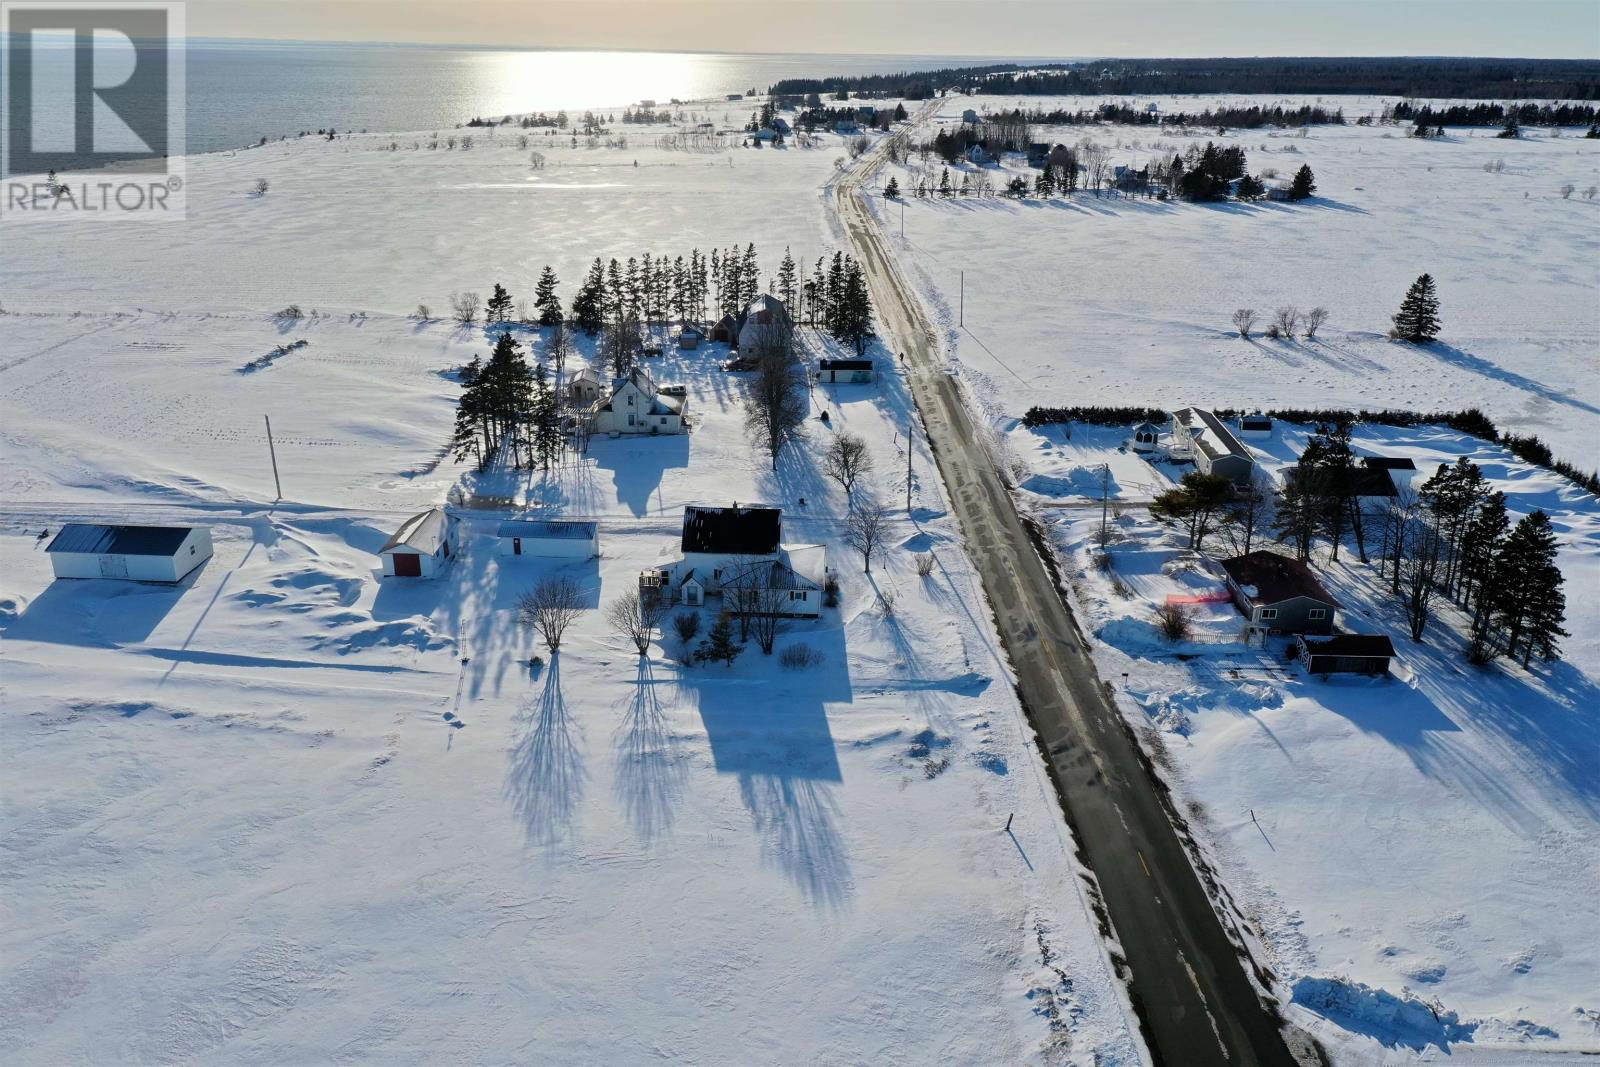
{"x": 420, "y": 548}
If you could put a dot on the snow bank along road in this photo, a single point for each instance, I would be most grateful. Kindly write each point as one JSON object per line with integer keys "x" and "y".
{"x": 1195, "y": 1002}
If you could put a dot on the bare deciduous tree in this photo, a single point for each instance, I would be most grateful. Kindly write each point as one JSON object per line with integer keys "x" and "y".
{"x": 635, "y": 616}
{"x": 1286, "y": 320}
{"x": 1314, "y": 320}
{"x": 464, "y": 307}
{"x": 775, "y": 407}
{"x": 1243, "y": 320}
{"x": 551, "y": 606}
{"x": 424, "y": 313}
{"x": 1567, "y": 190}
{"x": 846, "y": 460}
{"x": 262, "y": 187}
{"x": 866, "y": 528}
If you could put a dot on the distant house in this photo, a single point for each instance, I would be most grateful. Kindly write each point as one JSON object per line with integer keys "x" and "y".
{"x": 1345, "y": 653}
{"x": 133, "y": 553}
{"x": 1145, "y": 436}
{"x": 970, "y": 117}
{"x": 585, "y": 387}
{"x": 1279, "y": 594}
{"x": 726, "y": 330}
{"x": 636, "y": 405}
{"x": 1129, "y": 180}
{"x": 689, "y": 338}
{"x": 845, "y": 370}
{"x": 545, "y": 537}
{"x": 1214, "y": 447}
{"x": 1038, "y": 154}
{"x": 734, "y": 550}
{"x": 979, "y": 156}
{"x": 765, "y": 322}
{"x": 1401, "y": 472}
{"x": 420, "y": 548}
{"x": 782, "y": 127}
{"x": 1277, "y": 189}
{"x": 1152, "y": 108}
{"x": 1255, "y": 427}
{"x": 846, "y": 127}
{"x": 766, "y": 134}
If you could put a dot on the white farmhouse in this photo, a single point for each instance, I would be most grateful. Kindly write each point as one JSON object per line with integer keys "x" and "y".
{"x": 134, "y": 553}
{"x": 420, "y": 548}
{"x": 732, "y": 548}
{"x": 637, "y": 405}
{"x": 546, "y": 537}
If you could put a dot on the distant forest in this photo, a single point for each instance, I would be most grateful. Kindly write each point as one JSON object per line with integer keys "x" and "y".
{"x": 1475, "y": 79}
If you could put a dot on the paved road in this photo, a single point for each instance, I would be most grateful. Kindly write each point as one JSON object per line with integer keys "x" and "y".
{"x": 1195, "y": 1002}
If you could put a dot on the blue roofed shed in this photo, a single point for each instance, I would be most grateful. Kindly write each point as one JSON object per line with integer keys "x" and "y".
{"x": 549, "y": 537}
{"x": 133, "y": 553}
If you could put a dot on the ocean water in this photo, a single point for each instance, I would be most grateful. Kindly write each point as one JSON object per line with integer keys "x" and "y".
{"x": 241, "y": 91}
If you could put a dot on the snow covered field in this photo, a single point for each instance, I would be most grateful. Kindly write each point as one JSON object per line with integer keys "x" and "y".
{"x": 1112, "y": 300}
{"x": 1430, "y": 838}
{"x": 290, "y": 813}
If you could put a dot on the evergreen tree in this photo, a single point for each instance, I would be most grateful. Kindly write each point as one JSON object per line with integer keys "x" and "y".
{"x": 545, "y": 300}
{"x": 1294, "y": 519}
{"x": 719, "y": 645}
{"x": 498, "y": 308}
{"x": 900, "y": 113}
{"x": 1533, "y": 606}
{"x": 1418, "y": 318}
{"x": 1510, "y": 129}
{"x": 1304, "y": 183}
{"x": 588, "y": 303}
{"x": 892, "y": 190}
{"x": 547, "y": 439}
{"x": 1195, "y": 505}
{"x": 1250, "y": 188}
{"x": 787, "y": 281}
{"x": 852, "y": 317}
{"x": 944, "y": 183}
{"x": 1594, "y": 131}
{"x": 1480, "y": 568}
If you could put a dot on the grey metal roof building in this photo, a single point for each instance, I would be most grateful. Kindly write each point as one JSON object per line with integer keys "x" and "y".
{"x": 119, "y": 540}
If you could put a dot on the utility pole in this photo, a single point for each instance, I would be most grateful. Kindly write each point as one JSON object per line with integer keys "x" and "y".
{"x": 961, "y": 314}
{"x": 273, "y": 452}
{"x": 1105, "y": 492}
{"x": 908, "y": 462}
{"x": 902, "y": 219}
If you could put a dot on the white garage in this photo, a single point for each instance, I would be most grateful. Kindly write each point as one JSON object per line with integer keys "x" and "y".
{"x": 420, "y": 548}
{"x": 535, "y": 537}
{"x": 130, "y": 553}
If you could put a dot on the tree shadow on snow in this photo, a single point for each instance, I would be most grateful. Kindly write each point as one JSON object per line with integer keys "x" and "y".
{"x": 545, "y": 776}
{"x": 649, "y": 765}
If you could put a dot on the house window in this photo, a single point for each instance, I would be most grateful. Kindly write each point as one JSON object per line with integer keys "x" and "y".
{"x": 1317, "y": 613}
{"x": 1268, "y": 613}
{"x": 796, "y": 594}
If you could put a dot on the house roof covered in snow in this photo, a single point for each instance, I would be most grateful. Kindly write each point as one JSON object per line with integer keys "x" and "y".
{"x": 740, "y": 531}
{"x": 97, "y": 539}
{"x": 1209, "y": 434}
{"x": 548, "y": 529}
{"x": 1269, "y": 578}
{"x": 808, "y": 561}
{"x": 420, "y": 533}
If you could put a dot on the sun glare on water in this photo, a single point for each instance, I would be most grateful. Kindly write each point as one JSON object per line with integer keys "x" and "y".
{"x": 518, "y": 82}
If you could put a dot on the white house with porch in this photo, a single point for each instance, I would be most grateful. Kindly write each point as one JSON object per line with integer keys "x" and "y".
{"x": 740, "y": 548}
{"x": 637, "y": 405}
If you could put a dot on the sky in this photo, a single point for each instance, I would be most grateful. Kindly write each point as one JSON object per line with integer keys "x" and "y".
{"x": 1066, "y": 28}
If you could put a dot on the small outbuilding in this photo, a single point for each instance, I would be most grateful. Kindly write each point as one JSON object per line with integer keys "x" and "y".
{"x": 1345, "y": 653}
{"x": 1145, "y": 436}
{"x": 549, "y": 537}
{"x": 845, "y": 370}
{"x": 1256, "y": 427}
{"x": 970, "y": 117}
{"x": 585, "y": 387}
{"x": 131, "y": 553}
{"x": 726, "y": 330}
{"x": 420, "y": 548}
{"x": 689, "y": 338}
